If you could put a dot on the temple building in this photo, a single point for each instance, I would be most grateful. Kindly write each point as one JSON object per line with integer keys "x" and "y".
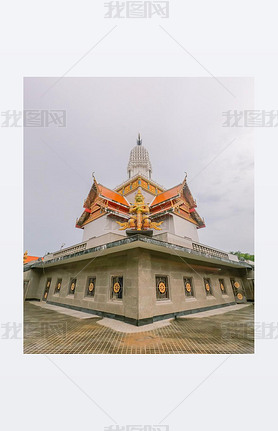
{"x": 140, "y": 259}
{"x": 104, "y": 208}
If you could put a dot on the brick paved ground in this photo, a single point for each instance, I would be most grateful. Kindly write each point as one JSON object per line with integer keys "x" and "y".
{"x": 46, "y": 331}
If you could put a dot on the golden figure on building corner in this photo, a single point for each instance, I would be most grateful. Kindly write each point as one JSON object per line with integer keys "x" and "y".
{"x": 139, "y": 216}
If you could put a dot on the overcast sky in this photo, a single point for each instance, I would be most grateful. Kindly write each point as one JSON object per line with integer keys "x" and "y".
{"x": 180, "y": 120}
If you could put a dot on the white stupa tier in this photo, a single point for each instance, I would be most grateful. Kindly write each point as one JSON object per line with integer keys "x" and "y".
{"x": 139, "y": 161}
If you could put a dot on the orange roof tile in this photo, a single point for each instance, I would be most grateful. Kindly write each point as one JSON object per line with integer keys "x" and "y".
{"x": 28, "y": 259}
{"x": 168, "y": 194}
{"x": 111, "y": 195}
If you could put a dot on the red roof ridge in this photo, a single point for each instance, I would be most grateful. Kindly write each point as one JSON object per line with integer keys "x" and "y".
{"x": 167, "y": 194}
{"x": 112, "y": 195}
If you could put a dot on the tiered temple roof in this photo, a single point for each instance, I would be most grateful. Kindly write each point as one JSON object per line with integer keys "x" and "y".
{"x": 177, "y": 200}
{"x": 101, "y": 201}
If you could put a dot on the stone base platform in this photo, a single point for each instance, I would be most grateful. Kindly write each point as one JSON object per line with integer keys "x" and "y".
{"x": 131, "y": 232}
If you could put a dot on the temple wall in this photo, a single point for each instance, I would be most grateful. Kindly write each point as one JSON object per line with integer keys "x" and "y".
{"x": 178, "y": 226}
{"x": 175, "y": 269}
{"x": 139, "y": 268}
{"x": 103, "y": 269}
{"x": 32, "y": 280}
{"x": 185, "y": 228}
{"x": 100, "y": 226}
{"x": 167, "y": 225}
{"x": 171, "y": 223}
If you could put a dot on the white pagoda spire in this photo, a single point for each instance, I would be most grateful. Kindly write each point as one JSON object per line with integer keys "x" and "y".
{"x": 139, "y": 161}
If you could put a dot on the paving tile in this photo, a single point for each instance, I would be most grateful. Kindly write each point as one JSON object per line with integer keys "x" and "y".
{"x": 47, "y": 331}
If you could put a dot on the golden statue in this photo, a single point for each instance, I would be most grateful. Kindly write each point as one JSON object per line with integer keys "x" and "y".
{"x": 25, "y": 257}
{"x": 139, "y": 216}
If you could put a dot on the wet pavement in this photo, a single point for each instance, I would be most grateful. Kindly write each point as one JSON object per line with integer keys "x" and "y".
{"x": 48, "y": 331}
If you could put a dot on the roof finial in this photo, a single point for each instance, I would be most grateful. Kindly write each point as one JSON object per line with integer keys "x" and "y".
{"x": 139, "y": 139}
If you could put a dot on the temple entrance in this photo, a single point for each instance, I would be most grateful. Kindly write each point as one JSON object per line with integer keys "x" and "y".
{"x": 46, "y": 290}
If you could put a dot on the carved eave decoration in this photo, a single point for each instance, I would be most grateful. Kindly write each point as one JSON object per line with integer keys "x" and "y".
{"x": 101, "y": 201}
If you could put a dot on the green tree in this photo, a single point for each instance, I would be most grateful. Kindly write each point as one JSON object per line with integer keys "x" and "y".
{"x": 243, "y": 256}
